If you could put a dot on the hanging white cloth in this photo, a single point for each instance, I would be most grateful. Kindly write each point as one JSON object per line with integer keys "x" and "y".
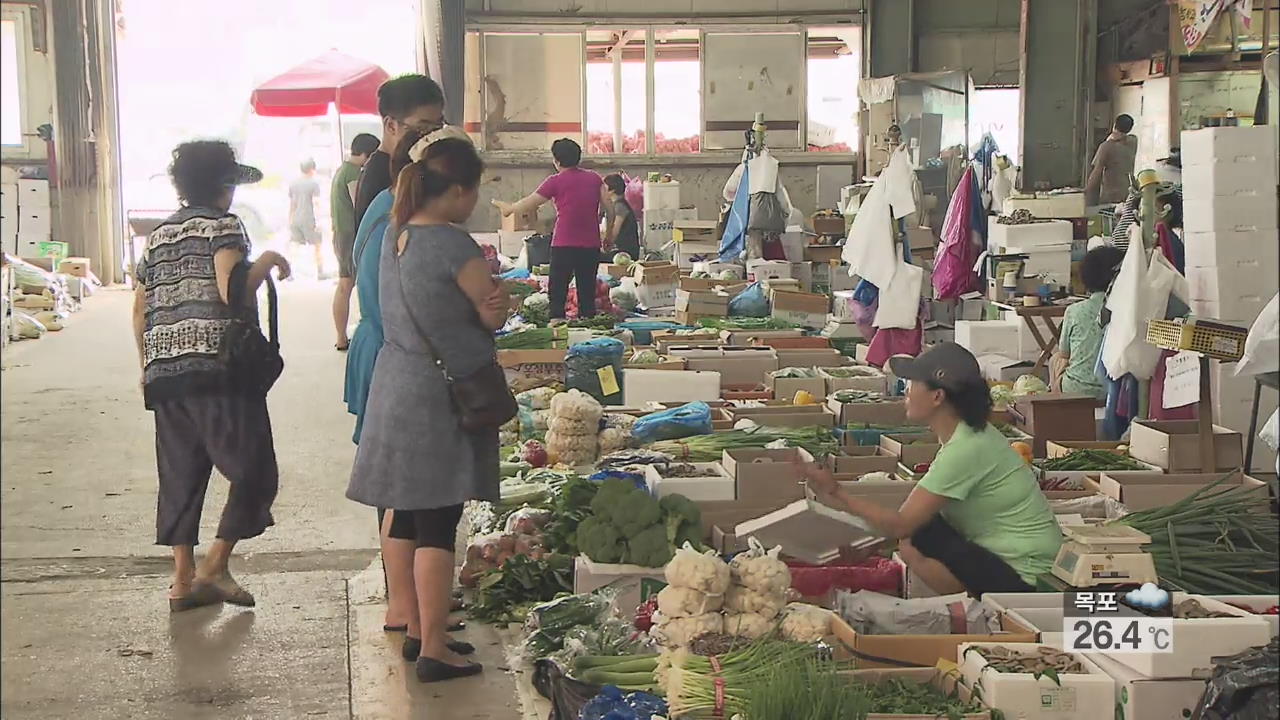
{"x": 762, "y": 178}
{"x": 870, "y": 249}
{"x": 1140, "y": 294}
{"x": 876, "y": 90}
{"x": 1262, "y": 346}
{"x": 899, "y": 305}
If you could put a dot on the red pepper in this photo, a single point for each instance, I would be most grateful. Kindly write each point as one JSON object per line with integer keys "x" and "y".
{"x": 644, "y": 614}
{"x": 1273, "y": 610}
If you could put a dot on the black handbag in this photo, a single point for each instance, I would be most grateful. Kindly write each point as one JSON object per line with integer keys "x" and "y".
{"x": 482, "y": 399}
{"x": 253, "y": 361}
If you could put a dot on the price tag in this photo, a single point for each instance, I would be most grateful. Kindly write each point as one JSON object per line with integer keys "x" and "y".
{"x": 1117, "y": 634}
{"x": 608, "y": 380}
{"x": 677, "y": 235}
{"x": 1110, "y": 621}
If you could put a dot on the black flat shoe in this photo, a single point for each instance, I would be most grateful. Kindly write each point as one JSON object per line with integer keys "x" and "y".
{"x": 395, "y": 628}
{"x": 412, "y": 648}
{"x": 431, "y": 670}
{"x": 457, "y": 604}
{"x": 458, "y": 626}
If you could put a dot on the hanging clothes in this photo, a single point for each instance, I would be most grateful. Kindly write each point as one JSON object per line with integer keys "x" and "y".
{"x": 734, "y": 240}
{"x": 888, "y": 342}
{"x": 869, "y": 249}
{"x": 964, "y": 237}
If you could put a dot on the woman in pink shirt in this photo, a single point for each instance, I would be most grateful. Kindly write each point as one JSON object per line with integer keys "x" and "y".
{"x": 575, "y": 242}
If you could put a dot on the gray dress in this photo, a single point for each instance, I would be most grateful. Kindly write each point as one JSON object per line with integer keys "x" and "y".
{"x": 412, "y": 454}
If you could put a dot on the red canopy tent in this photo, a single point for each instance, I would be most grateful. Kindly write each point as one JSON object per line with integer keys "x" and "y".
{"x": 307, "y": 90}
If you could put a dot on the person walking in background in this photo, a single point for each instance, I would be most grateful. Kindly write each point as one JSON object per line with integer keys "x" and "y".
{"x": 408, "y": 102}
{"x": 342, "y": 211}
{"x": 193, "y": 282}
{"x": 303, "y": 229}
{"x": 439, "y": 303}
{"x": 1109, "y": 181}
{"x": 575, "y": 241}
{"x": 623, "y": 234}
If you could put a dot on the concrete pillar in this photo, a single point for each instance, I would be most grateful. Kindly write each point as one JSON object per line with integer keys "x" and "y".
{"x": 1057, "y": 78}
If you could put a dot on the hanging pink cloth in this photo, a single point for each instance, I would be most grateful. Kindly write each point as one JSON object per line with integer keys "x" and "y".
{"x": 953, "y": 273}
{"x": 888, "y": 342}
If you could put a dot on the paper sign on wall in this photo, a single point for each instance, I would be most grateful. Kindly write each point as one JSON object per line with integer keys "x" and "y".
{"x": 1181, "y": 380}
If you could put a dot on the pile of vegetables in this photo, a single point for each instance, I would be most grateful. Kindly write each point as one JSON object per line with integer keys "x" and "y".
{"x": 570, "y": 505}
{"x": 794, "y": 372}
{"x": 504, "y": 594}
{"x": 1219, "y": 540}
{"x": 723, "y": 686}
{"x": 534, "y": 338}
{"x": 596, "y": 322}
{"x": 604, "y": 306}
{"x": 628, "y": 672}
{"x": 1086, "y": 459}
{"x": 852, "y": 371}
{"x": 810, "y": 689}
{"x": 1028, "y": 385}
{"x": 521, "y": 535}
{"x": 690, "y": 604}
{"x": 625, "y": 300}
{"x": 628, "y": 525}
{"x": 894, "y": 696}
{"x": 573, "y": 429}
{"x": 757, "y": 593}
{"x": 709, "y": 448}
{"x": 745, "y": 323}
{"x": 536, "y": 309}
{"x": 857, "y": 396}
{"x": 1045, "y": 661}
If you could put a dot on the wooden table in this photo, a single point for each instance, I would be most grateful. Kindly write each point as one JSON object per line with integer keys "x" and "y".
{"x": 1051, "y": 316}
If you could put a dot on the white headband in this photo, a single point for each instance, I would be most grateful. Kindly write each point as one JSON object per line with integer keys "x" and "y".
{"x": 419, "y": 148}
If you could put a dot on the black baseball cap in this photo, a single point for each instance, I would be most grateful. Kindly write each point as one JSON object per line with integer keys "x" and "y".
{"x": 244, "y": 175}
{"x": 945, "y": 365}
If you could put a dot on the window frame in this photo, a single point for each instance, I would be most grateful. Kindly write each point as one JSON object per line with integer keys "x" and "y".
{"x": 21, "y": 18}
{"x": 800, "y": 155}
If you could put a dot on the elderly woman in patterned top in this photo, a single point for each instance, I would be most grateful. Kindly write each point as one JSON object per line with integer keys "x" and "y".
{"x": 194, "y": 280}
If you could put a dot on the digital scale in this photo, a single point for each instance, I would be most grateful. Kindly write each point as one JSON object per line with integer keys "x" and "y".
{"x": 1096, "y": 555}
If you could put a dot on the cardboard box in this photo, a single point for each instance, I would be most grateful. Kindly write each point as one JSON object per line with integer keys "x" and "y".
{"x": 1143, "y": 491}
{"x": 1001, "y": 368}
{"x": 745, "y": 392}
{"x": 828, "y": 224}
{"x": 1196, "y": 642}
{"x": 736, "y": 365}
{"x": 803, "y": 309}
{"x": 726, "y": 542}
{"x": 1074, "y": 479}
{"x": 743, "y": 338}
{"x": 842, "y": 306}
{"x": 1087, "y": 696}
{"x": 797, "y": 416}
{"x": 1061, "y": 448}
{"x": 1256, "y": 604}
{"x": 692, "y": 319}
{"x": 761, "y": 270}
{"x": 785, "y": 388}
{"x": 911, "y": 449}
{"x": 806, "y": 342}
{"x": 528, "y": 369}
{"x": 634, "y": 584}
{"x": 1142, "y": 698}
{"x": 765, "y": 476}
{"x": 913, "y": 586}
{"x": 75, "y": 266}
{"x": 810, "y": 358}
{"x": 656, "y": 283}
{"x": 727, "y": 514}
{"x": 1175, "y": 445}
{"x": 1060, "y": 416}
{"x": 809, "y": 531}
{"x": 520, "y": 222}
{"x": 890, "y": 412}
{"x": 863, "y": 459}
{"x": 873, "y": 381}
{"x": 895, "y": 651}
{"x": 644, "y": 386}
{"x": 664, "y": 340}
{"x": 712, "y": 484}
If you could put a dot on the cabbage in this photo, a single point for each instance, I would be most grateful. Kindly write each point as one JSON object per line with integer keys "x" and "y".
{"x": 1028, "y": 385}
{"x": 646, "y": 357}
{"x": 1001, "y": 395}
{"x": 729, "y": 275}
{"x": 538, "y": 301}
{"x": 622, "y": 259}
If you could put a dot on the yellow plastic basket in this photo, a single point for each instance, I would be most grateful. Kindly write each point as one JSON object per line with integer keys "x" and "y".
{"x": 1214, "y": 339}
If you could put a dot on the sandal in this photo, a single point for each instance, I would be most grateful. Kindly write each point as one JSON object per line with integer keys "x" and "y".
{"x": 201, "y": 595}
{"x": 341, "y": 348}
{"x": 228, "y": 590}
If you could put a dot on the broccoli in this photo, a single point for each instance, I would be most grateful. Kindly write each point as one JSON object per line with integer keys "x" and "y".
{"x": 683, "y": 519}
{"x": 600, "y": 540}
{"x": 649, "y": 548}
{"x": 626, "y": 507}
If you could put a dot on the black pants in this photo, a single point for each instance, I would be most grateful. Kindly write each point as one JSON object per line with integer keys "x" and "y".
{"x": 193, "y": 436}
{"x": 433, "y": 528}
{"x": 581, "y": 265}
{"x": 978, "y": 569}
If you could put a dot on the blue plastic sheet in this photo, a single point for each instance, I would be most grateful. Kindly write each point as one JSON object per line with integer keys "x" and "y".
{"x": 643, "y": 329}
{"x": 583, "y": 363}
{"x": 517, "y": 274}
{"x": 752, "y": 302}
{"x": 684, "y": 421}
{"x": 614, "y": 704}
{"x": 734, "y": 240}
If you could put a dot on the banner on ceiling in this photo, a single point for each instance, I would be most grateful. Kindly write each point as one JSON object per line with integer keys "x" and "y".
{"x": 1196, "y": 17}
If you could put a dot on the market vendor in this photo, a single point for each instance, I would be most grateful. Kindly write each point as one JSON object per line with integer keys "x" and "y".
{"x": 1082, "y": 330}
{"x": 977, "y": 521}
{"x": 575, "y": 240}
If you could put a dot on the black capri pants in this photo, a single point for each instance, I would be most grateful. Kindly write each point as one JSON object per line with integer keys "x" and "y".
{"x": 431, "y": 528}
{"x": 978, "y": 569}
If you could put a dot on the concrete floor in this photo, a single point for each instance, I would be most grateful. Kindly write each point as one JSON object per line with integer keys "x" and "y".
{"x": 86, "y": 629}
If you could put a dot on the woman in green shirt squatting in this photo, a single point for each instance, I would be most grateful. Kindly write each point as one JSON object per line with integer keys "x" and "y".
{"x": 977, "y": 521}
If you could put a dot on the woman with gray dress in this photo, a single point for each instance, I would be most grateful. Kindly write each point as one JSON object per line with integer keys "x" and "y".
{"x": 437, "y": 295}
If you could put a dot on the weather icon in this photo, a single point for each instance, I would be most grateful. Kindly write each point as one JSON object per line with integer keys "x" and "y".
{"x": 1148, "y": 596}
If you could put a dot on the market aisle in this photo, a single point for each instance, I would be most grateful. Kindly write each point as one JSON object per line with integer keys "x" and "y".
{"x": 83, "y": 592}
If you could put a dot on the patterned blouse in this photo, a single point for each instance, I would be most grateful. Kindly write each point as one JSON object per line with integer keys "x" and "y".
{"x": 185, "y": 315}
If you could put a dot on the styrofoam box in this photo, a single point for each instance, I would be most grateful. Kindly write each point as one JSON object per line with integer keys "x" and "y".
{"x": 1257, "y": 603}
{"x": 1029, "y": 237}
{"x": 1047, "y": 622}
{"x": 661, "y": 196}
{"x": 1015, "y": 601}
{"x": 1234, "y": 212}
{"x": 1208, "y": 146}
{"x": 642, "y": 386}
{"x": 1244, "y": 176}
{"x": 33, "y": 194}
{"x": 985, "y": 337}
{"x": 1061, "y": 205}
{"x": 1144, "y": 698}
{"x": 1228, "y": 247}
{"x": 1053, "y": 261}
{"x": 711, "y": 485}
{"x": 1242, "y": 310}
{"x": 1196, "y": 642}
{"x": 1243, "y": 279}
{"x": 1087, "y": 696}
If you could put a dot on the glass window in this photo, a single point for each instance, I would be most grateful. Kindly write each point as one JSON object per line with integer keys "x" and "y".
{"x": 604, "y": 91}
{"x": 677, "y": 92}
{"x": 835, "y": 64}
{"x": 996, "y": 111}
{"x": 11, "y": 100}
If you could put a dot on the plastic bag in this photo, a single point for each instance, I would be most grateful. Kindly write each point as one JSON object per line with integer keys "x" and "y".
{"x": 585, "y": 368}
{"x": 568, "y": 696}
{"x": 527, "y": 520}
{"x": 871, "y": 613}
{"x": 1262, "y": 347}
{"x": 751, "y": 302}
{"x": 673, "y": 424}
{"x": 953, "y": 274}
{"x": 1245, "y": 686}
{"x": 614, "y": 704}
